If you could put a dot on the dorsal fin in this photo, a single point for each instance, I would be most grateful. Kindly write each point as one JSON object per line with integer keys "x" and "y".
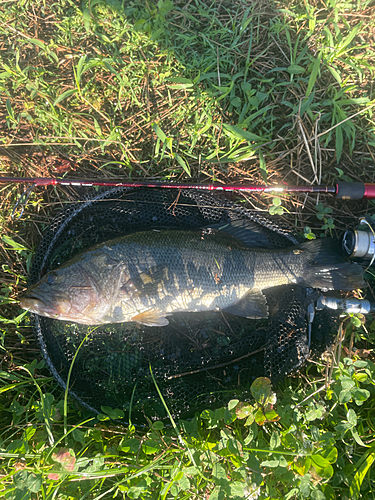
{"x": 247, "y": 231}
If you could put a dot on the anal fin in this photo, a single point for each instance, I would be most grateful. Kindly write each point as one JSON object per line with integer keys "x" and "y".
{"x": 151, "y": 317}
{"x": 253, "y": 305}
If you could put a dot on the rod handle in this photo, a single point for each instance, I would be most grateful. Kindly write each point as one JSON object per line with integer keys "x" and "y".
{"x": 350, "y": 190}
{"x": 355, "y": 191}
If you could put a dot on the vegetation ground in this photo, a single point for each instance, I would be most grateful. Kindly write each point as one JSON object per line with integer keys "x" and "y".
{"x": 234, "y": 92}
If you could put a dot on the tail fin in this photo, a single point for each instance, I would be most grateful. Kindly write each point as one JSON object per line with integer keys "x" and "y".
{"x": 327, "y": 269}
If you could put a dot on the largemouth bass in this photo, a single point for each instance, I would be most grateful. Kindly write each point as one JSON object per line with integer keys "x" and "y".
{"x": 148, "y": 275}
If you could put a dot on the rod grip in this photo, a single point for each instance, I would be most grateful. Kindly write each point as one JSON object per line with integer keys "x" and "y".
{"x": 351, "y": 190}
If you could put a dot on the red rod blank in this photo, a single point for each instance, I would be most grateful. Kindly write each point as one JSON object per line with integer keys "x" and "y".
{"x": 53, "y": 181}
{"x": 342, "y": 190}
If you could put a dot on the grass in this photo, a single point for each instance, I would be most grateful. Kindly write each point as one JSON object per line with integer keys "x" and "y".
{"x": 216, "y": 91}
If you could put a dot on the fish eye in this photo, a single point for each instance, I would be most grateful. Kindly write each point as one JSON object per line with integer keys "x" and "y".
{"x": 51, "y": 278}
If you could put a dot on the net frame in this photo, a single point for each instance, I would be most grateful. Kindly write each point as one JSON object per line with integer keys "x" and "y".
{"x": 194, "y": 367}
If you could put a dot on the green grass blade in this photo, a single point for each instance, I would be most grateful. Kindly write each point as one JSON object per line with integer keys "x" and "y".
{"x": 183, "y": 164}
{"x": 238, "y": 133}
{"x": 355, "y": 488}
{"x": 314, "y": 74}
{"x": 64, "y": 95}
{"x": 158, "y": 131}
{"x": 68, "y": 381}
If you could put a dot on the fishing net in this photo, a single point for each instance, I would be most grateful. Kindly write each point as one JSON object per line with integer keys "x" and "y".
{"x": 200, "y": 360}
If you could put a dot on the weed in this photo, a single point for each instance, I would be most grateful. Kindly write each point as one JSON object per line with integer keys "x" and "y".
{"x": 323, "y": 215}
{"x": 307, "y": 233}
{"x": 276, "y": 208}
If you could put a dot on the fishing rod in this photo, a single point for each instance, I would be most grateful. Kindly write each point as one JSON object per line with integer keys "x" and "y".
{"x": 342, "y": 190}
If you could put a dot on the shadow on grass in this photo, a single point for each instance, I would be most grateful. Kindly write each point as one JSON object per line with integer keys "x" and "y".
{"x": 200, "y": 77}
{"x": 225, "y": 56}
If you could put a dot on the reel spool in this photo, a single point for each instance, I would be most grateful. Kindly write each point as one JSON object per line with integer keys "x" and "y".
{"x": 359, "y": 244}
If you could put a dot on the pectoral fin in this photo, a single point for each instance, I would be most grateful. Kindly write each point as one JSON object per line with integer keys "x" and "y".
{"x": 151, "y": 317}
{"x": 253, "y": 305}
{"x": 145, "y": 283}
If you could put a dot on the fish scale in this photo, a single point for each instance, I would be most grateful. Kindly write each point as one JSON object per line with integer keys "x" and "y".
{"x": 148, "y": 275}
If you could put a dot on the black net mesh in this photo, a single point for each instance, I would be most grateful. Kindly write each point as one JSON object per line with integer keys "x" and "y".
{"x": 199, "y": 360}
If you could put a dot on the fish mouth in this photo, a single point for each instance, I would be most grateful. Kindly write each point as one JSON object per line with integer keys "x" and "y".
{"x": 39, "y": 306}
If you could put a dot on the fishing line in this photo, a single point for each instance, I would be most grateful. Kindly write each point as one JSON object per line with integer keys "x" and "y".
{"x": 22, "y": 201}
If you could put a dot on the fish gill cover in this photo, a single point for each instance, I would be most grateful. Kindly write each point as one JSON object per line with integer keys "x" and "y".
{"x": 198, "y": 360}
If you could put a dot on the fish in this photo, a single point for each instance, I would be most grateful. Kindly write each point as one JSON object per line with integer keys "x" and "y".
{"x": 147, "y": 275}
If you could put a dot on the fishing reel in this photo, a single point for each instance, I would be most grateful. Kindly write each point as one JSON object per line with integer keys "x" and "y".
{"x": 358, "y": 244}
